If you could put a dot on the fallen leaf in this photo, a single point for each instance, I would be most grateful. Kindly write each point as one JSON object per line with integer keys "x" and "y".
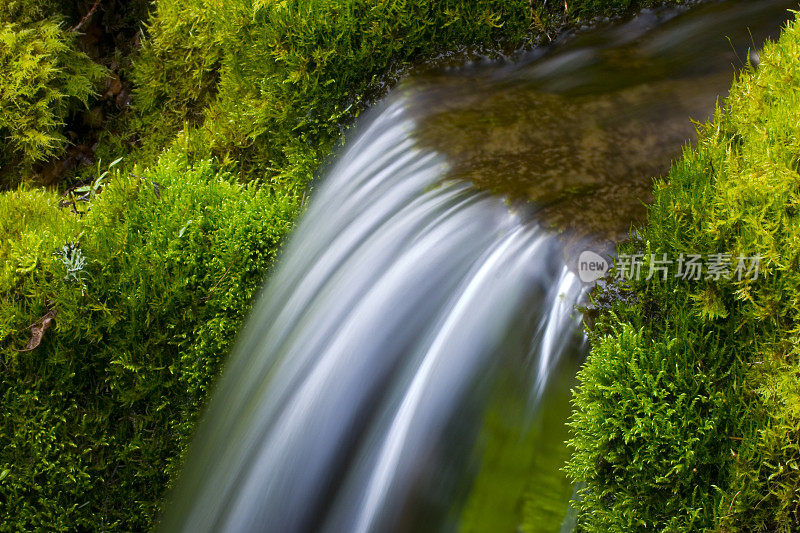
{"x": 37, "y": 330}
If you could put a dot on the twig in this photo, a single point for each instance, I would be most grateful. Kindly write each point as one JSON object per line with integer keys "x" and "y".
{"x": 225, "y": 275}
{"x": 86, "y": 17}
{"x": 731, "y": 505}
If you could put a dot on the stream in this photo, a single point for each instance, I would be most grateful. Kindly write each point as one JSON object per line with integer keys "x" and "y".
{"x": 408, "y": 366}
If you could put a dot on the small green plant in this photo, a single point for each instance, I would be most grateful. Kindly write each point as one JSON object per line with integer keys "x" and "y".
{"x": 91, "y": 190}
{"x": 87, "y": 193}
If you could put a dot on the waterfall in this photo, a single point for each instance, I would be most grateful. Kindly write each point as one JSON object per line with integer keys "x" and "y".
{"x": 408, "y": 296}
{"x": 389, "y": 312}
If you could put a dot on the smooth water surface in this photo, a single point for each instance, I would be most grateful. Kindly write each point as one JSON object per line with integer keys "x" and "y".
{"x": 581, "y": 128}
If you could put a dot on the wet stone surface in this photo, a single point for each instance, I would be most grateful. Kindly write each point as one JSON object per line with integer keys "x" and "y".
{"x": 578, "y": 132}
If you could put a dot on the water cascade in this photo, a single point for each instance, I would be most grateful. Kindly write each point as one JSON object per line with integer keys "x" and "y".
{"x": 430, "y": 289}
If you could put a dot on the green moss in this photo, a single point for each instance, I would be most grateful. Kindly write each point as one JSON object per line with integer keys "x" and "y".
{"x": 270, "y": 84}
{"x": 27, "y": 11}
{"x": 687, "y": 412}
{"x": 44, "y": 79}
{"x": 94, "y": 419}
{"x": 177, "y": 70}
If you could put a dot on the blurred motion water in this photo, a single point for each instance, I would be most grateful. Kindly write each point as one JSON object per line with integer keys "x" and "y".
{"x": 408, "y": 366}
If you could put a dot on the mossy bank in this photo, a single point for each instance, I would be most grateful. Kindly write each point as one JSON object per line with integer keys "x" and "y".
{"x": 688, "y": 414}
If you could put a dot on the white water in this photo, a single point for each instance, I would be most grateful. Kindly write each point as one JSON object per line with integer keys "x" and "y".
{"x": 355, "y": 396}
{"x": 389, "y": 313}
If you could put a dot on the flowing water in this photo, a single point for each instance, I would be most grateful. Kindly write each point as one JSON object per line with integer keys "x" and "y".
{"x": 408, "y": 366}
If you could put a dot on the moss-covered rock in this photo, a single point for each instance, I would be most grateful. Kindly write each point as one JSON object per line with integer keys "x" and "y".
{"x": 158, "y": 276}
{"x": 43, "y": 79}
{"x": 270, "y": 84}
{"x": 687, "y": 411}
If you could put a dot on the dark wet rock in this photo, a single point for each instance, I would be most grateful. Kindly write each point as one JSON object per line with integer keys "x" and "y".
{"x": 123, "y": 99}
{"x": 55, "y": 170}
{"x": 93, "y": 118}
{"x": 113, "y": 87}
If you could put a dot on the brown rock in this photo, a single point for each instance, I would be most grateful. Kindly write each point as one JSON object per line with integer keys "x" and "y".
{"x": 123, "y": 98}
{"x": 94, "y": 117}
{"x": 113, "y": 86}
